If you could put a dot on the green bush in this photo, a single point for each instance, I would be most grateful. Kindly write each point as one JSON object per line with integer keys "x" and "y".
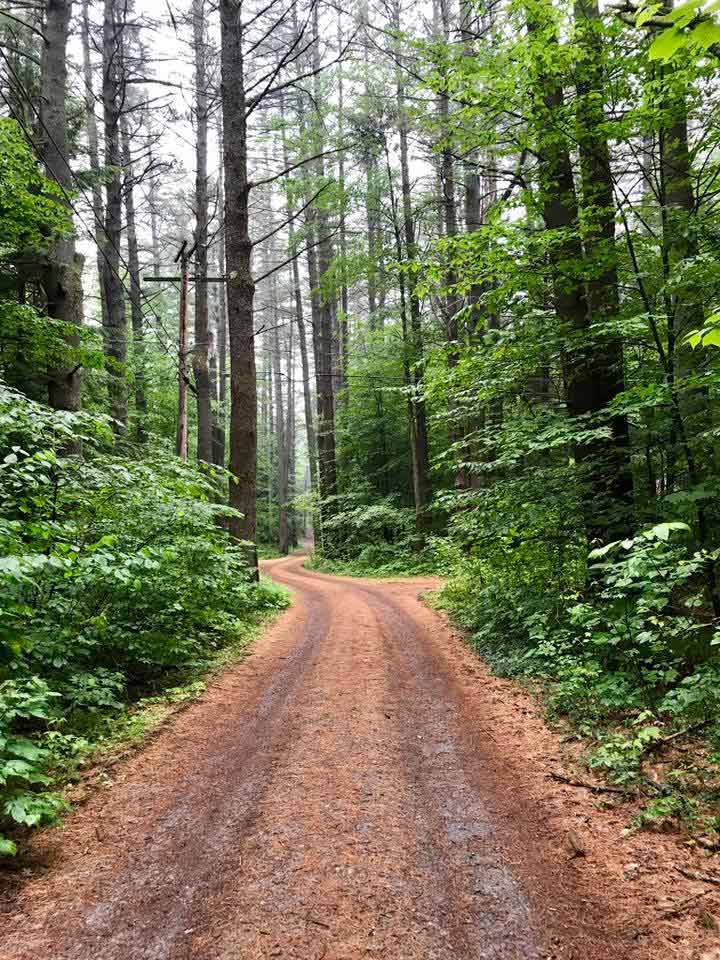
{"x": 22, "y": 760}
{"x": 117, "y": 580}
{"x": 626, "y": 653}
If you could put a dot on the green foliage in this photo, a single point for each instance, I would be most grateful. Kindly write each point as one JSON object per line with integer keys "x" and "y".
{"x": 629, "y": 656}
{"x": 32, "y": 209}
{"x": 33, "y": 214}
{"x": 371, "y": 536}
{"x": 22, "y": 761}
{"x": 688, "y": 26}
{"x": 117, "y": 580}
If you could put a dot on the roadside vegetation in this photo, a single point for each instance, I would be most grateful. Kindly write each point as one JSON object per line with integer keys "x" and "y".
{"x": 119, "y": 584}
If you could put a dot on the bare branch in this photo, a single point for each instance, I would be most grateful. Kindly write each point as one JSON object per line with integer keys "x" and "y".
{"x": 284, "y": 263}
{"x": 300, "y": 163}
{"x": 293, "y": 217}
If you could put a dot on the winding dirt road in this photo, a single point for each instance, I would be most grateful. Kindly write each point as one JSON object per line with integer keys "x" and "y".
{"x": 344, "y": 793}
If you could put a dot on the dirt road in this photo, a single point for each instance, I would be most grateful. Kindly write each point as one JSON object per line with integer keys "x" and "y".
{"x": 344, "y": 793}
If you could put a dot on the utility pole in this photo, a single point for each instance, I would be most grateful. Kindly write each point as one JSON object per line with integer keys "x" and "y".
{"x": 183, "y": 258}
{"x": 181, "y": 437}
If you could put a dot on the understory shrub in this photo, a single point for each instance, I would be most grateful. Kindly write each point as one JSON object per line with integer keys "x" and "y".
{"x": 629, "y": 653}
{"x": 371, "y": 536}
{"x": 117, "y": 578}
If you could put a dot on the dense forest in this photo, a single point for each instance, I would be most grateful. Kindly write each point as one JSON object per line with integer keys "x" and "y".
{"x": 433, "y": 286}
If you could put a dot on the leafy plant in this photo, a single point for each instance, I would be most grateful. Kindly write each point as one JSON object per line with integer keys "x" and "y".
{"x": 118, "y": 582}
{"x": 23, "y": 762}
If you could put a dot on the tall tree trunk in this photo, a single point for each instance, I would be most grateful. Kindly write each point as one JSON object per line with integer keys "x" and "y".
{"x": 281, "y": 434}
{"x": 300, "y": 321}
{"x": 371, "y": 217}
{"x": 451, "y": 302}
{"x": 92, "y": 138}
{"x": 114, "y": 324}
{"x": 310, "y": 436}
{"x": 422, "y": 486}
{"x": 685, "y": 306}
{"x": 201, "y": 346}
{"x": 291, "y": 445}
{"x": 372, "y": 213}
{"x": 220, "y": 421}
{"x": 311, "y": 228}
{"x": 62, "y": 275}
{"x": 591, "y": 375}
{"x": 136, "y": 314}
{"x": 154, "y": 232}
{"x": 327, "y": 471}
{"x": 343, "y": 318}
{"x": 240, "y": 283}
{"x": 605, "y": 367}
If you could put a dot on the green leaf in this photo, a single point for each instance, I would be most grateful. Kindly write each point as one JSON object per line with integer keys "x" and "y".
{"x": 647, "y": 13}
{"x": 666, "y": 44}
{"x": 662, "y": 531}
{"x": 706, "y": 34}
{"x": 683, "y": 11}
{"x": 20, "y": 747}
{"x": 7, "y": 847}
{"x": 601, "y": 551}
{"x": 711, "y": 339}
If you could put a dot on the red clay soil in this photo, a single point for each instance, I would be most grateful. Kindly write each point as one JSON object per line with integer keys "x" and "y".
{"x": 360, "y": 787}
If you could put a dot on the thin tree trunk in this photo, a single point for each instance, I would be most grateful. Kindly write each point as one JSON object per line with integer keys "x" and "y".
{"x": 344, "y": 318}
{"x": 220, "y": 420}
{"x": 300, "y": 321}
{"x": 371, "y": 206}
{"x": 452, "y": 302}
{"x": 114, "y": 329}
{"x": 327, "y": 472}
{"x": 422, "y": 487}
{"x": 685, "y": 306}
{"x": 62, "y": 275}
{"x": 281, "y": 434}
{"x": 291, "y": 446}
{"x": 92, "y": 138}
{"x": 154, "y": 232}
{"x": 201, "y": 346}
{"x": 136, "y": 315}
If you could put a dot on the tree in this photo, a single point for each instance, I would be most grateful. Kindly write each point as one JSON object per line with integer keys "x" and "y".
{"x": 242, "y": 42}
{"x": 62, "y": 274}
{"x": 593, "y": 370}
{"x": 113, "y": 292}
{"x": 200, "y": 361}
